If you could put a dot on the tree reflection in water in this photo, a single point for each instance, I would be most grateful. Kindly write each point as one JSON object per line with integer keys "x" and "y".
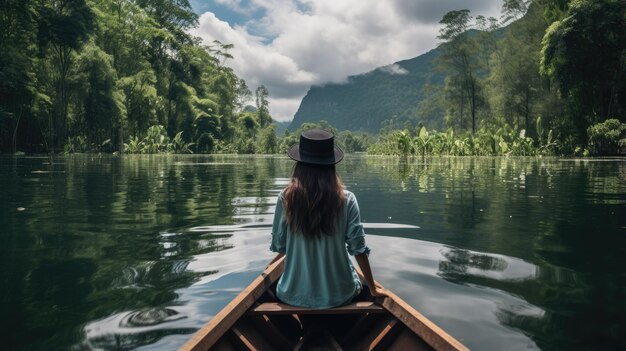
{"x": 106, "y": 242}
{"x": 565, "y": 217}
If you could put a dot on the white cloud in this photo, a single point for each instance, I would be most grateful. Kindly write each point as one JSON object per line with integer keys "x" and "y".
{"x": 255, "y": 62}
{"x": 394, "y": 69}
{"x": 301, "y": 43}
{"x": 284, "y": 107}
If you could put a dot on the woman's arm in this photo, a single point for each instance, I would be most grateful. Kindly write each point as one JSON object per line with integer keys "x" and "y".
{"x": 364, "y": 264}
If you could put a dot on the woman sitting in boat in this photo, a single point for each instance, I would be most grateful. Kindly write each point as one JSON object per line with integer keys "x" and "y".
{"x": 316, "y": 225}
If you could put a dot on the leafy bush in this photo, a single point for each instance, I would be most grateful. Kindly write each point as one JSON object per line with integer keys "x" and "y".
{"x": 351, "y": 143}
{"x": 287, "y": 142}
{"x": 179, "y": 146}
{"x": 76, "y": 144}
{"x": 134, "y": 146}
{"x": 486, "y": 142}
{"x": 205, "y": 143}
{"x": 424, "y": 141}
{"x": 244, "y": 146}
{"x": 395, "y": 143}
{"x": 80, "y": 144}
{"x": 267, "y": 140}
{"x": 157, "y": 141}
{"x": 604, "y": 138}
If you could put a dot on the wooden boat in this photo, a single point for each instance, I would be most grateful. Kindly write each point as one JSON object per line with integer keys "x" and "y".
{"x": 255, "y": 320}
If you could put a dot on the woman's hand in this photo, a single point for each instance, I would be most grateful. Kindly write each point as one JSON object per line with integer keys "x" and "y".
{"x": 379, "y": 291}
{"x": 375, "y": 289}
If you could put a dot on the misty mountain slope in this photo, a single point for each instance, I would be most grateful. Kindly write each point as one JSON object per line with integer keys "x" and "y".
{"x": 366, "y": 100}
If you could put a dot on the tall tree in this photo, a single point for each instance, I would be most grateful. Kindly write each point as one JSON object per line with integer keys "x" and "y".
{"x": 516, "y": 87}
{"x": 262, "y": 106}
{"x": 585, "y": 54}
{"x": 99, "y": 102}
{"x": 64, "y": 26}
{"x": 460, "y": 56}
{"x": 172, "y": 18}
{"x": 18, "y": 84}
{"x": 243, "y": 95}
{"x": 223, "y": 83}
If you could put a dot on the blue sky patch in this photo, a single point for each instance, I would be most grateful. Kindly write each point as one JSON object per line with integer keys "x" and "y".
{"x": 227, "y": 14}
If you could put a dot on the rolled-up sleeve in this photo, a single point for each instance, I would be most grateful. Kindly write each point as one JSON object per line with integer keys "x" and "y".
{"x": 279, "y": 228}
{"x": 355, "y": 236}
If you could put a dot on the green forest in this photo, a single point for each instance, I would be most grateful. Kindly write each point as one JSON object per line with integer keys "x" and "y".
{"x": 125, "y": 76}
{"x": 117, "y": 75}
{"x": 552, "y": 82}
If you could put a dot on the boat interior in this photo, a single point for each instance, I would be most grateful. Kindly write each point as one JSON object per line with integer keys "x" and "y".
{"x": 361, "y": 325}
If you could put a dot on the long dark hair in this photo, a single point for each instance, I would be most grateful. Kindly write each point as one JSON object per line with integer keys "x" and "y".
{"x": 313, "y": 200}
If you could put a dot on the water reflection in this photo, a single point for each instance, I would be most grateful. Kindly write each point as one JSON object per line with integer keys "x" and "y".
{"x": 461, "y": 265}
{"x": 467, "y": 309}
{"x": 138, "y": 252}
{"x": 565, "y": 217}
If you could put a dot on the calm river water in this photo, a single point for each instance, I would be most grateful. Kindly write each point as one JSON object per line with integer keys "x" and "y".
{"x": 138, "y": 252}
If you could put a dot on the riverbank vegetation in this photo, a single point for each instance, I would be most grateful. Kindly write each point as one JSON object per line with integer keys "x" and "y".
{"x": 604, "y": 139}
{"x": 547, "y": 78}
{"x": 553, "y": 81}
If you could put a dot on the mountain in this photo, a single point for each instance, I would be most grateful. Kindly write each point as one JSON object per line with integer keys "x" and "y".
{"x": 366, "y": 100}
{"x": 281, "y": 127}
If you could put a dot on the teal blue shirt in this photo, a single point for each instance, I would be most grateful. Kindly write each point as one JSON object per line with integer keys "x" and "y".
{"x": 318, "y": 272}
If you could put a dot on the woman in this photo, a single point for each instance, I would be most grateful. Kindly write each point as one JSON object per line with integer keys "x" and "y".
{"x": 316, "y": 225}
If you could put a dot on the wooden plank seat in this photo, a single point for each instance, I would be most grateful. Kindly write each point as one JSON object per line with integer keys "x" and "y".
{"x": 361, "y": 307}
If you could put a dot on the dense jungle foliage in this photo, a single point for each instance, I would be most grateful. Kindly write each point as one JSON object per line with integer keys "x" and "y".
{"x": 126, "y": 76}
{"x": 552, "y": 76}
{"x": 118, "y": 75}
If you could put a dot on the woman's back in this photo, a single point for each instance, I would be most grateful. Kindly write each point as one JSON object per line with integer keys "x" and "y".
{"x": 318, "y": 271}
{"x": 317, "y": 226}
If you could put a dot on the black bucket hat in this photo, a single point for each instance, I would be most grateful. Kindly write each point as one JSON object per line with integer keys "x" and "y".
{"x": 317, "y": 147}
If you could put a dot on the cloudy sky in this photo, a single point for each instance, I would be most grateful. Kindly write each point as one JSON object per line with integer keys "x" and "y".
{"x": 289, "y": 45}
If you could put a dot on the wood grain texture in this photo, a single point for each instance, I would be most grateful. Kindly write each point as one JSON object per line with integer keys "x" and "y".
{"x": 270, "y": 308}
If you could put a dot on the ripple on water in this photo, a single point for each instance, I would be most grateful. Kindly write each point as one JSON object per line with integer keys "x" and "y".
{"x": 149, "y": 316}
{"x": 132, "y": 329}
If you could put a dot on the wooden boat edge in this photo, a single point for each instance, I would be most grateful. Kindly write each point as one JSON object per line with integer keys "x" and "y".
{"x": 211, "y": 332}
{"x": 423, "y": 327}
